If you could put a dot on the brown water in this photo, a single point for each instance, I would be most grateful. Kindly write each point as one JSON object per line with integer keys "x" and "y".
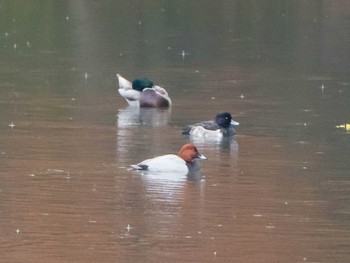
{"x": 277, "y": 192}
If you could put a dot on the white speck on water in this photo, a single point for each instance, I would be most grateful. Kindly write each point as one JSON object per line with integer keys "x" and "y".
{"x": 73, "y": 99}
{"x": 128, "y": 227}
{"x": 305, "y": 124}
{"x": 270, "y": 226}
{"x": 55, "y": 171}
{"x": 219, "y": 225}
{"x": 184, "y": 54}
{"x": 188, "y": 237}
{"x": 213, "y": 98}
{"x": 304, "y": 258}
{"x": 215, "y": 253}
{"x": 140, "y": 22}
{"x": 67, "y": 17}
{"x": 6, "y": 34}
{"x": 199, "y": 232}
{"x": 15, "y": 46}
{"x": 86, "y": 75}
{"x": 286, "y": 203}
{"x": 212, "y": 238}
{"x": 258, "y": 215}
{"x": 242, "y": 96}
{"x": 12, "y": 125}
{"x": 18, "y": 231}
{"x": 28, "y": 44}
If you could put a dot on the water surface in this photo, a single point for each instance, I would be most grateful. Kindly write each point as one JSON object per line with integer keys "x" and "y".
{"x": 276, "y": 192}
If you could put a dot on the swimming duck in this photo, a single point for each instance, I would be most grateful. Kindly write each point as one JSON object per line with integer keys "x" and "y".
{"x": 222, "y": 125}
{"x": 143, "y": 93}
{"x": 182, "y": 163}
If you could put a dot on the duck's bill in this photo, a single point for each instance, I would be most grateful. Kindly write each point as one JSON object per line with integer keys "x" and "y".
{"x": 202, "y": 157}
{"x": 234, "y": 123}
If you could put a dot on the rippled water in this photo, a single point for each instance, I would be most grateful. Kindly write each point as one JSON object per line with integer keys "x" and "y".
{"x": 276, "y": 192}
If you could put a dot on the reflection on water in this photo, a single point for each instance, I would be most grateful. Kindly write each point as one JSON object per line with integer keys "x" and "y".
{"x": 276, "y": 192}
{"x": 136, "y": 125}
{"x": 134, "y": 116}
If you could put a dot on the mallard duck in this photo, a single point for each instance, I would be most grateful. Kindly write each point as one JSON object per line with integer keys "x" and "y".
{"x": 143, "y": 93}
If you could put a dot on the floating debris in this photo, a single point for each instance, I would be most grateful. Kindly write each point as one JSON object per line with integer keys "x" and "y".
{"x": 128, "y": 227}
{"x": 345, "y": 126}
{"x": 86, "y": 75}
{"x": 12, "y": 125}
{"x": 18, "y": 231}
{"x": 242, "y": 96}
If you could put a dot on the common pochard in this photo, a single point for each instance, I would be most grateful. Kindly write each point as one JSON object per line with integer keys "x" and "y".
{"x": 182, "y": 163}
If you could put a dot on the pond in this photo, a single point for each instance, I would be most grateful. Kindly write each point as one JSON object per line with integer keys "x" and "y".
{"x": 278, "y": 191}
